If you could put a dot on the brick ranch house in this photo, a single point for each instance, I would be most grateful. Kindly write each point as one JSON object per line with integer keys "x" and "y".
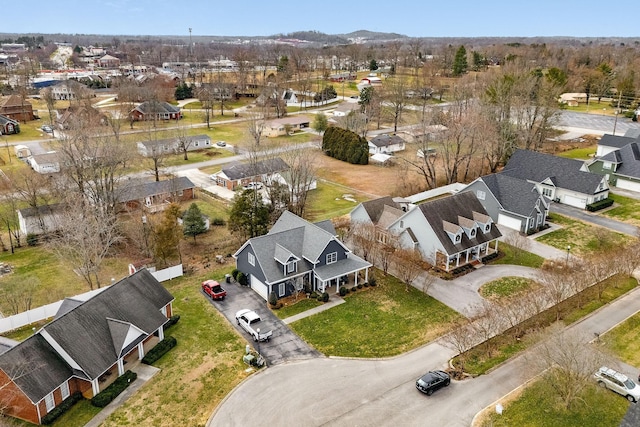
{"x": 85, "y": 347}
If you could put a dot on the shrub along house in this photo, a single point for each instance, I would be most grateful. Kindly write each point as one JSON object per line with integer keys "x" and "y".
{"x": 85, "y": 347}
{"x": 296, "y": 253}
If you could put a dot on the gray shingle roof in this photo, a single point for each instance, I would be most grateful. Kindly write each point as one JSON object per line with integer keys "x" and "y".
{"x": 173, "y": 142}
{"x": 386, "y": 140}
{"x": 628, "y": 158}
{"x": 615, "y": 141}
{"x": 565, "y": 173}
{"x": 301, "y": 238}
{"x": 89, "y": 333}
{"x": 447, "y": 210}
{"x": 375, "y": 207}
{"x": 35, "y": 367}
{"x": 42, "y": 210}
{"x": 248, "y": 170}
{"x": 155, "y": 188}
{"x": 327, "y": 225}
{"x": 514, "y": 195}
{"x": 157, "y": 107}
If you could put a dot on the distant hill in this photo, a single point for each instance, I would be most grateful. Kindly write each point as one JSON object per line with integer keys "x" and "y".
{"x": 314, "y": 37}
{"x": 373, "y": 35}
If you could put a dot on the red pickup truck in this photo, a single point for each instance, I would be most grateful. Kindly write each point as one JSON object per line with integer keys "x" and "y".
{"x": 213, "y": 289}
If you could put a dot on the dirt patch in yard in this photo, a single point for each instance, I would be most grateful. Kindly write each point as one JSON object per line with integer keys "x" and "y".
{"x": 375, "y": 180}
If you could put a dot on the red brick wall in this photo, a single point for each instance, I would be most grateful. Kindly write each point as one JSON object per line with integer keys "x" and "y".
{"x": 18, "y": 405}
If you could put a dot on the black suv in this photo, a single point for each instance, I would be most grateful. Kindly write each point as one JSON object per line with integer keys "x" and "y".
{"x": 431, "y": 381}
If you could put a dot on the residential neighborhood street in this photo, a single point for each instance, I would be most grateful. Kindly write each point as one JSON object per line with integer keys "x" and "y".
{"x": 351, "y": 392}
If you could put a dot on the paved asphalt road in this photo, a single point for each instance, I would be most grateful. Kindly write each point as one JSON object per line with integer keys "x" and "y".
{"x": 595, "y": 218}
{"x": 348, "y": 392}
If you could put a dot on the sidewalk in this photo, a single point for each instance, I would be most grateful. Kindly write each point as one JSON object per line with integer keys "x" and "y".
{"x": 145, "y": 373}
{"x": 335, "y": 300}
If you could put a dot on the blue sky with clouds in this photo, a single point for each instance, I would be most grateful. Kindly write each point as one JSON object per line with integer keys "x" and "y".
{"x": 416, "y": 18}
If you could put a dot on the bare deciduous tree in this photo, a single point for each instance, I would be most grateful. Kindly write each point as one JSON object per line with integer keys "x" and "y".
{"x": 408, "y": 265}
{"x": 567, "y": 363}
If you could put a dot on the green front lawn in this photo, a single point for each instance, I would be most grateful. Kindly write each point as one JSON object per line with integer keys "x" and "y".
{"x": 583, "y": 238}
{"x": 538, "y": 406}
{"x": 296, "y": 308}
{"x": 379, "y": 321}
{"x": 505, "y": 287}
{"x": 196, "y": 374}
{"x": 514, "y": 256}
{"x": 624, "y": 340}
{"x": 624, "y": 209}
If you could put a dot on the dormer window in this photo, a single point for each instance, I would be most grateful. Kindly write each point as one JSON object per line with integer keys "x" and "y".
{"x": 487, "y": 228}
{"x": 457, "y": 238}
{"x": 291, "y": 267}
{"x": 473, "y": 232}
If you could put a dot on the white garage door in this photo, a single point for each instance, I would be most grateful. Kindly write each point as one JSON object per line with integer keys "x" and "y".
{"x": 510, "y": 222}
{"x": 574, "y": 201}
{"x": 628, "y": 185}
{"x": 259, "y": 287}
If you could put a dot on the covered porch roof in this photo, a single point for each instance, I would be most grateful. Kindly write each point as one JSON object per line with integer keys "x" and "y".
{"x": 352, "y": 264}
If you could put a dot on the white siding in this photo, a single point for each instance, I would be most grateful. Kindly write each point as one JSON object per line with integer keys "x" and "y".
{"x": 628, "y": 185}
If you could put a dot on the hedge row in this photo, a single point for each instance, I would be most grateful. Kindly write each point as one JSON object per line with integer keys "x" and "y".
{"x": 159, "y": 350}
{"x": 342, "y": 144}
{"x": 105, "y": 397}
{"x": 601, "y": 204}
{"x": 61, "y": 408}
{"x": 172, "y": 321}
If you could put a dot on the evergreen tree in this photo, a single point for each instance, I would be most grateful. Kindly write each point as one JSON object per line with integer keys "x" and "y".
{"x": 373, "y": 65}
{"x": 460, "y": 65}
{"x": 320, "y": 123}
{"x": 248, "y": 217}
{"x": 167, "y": 237}
{"x": 192, "y": 222}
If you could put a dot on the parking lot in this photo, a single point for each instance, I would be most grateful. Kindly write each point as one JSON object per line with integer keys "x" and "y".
{"x": 283, "y": 346}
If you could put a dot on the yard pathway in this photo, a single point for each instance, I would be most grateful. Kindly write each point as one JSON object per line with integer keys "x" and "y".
{"x": 145, "y": 373}
{"x": 335, "y": 300}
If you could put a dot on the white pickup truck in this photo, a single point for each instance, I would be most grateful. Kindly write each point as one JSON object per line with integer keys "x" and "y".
{"x": 250, "y": 322}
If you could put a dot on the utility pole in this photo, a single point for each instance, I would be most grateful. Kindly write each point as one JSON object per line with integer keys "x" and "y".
{"x": 190, "y": 45}
{"x": 615, "y": 123}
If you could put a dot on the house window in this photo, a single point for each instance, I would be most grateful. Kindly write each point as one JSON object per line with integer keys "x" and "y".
{"x": 401, "y": 224}
{"x": 606, "y": 165}
{"x": 547, "y": 192}
{"x": 473, "y": 232}
{"x": 281, "y": 289}
{"x": 457, "y": 238}
{"x": 332, "y": 257}
{"x": 487, "y": 228}
{"x": 251, "y": 258}
{"x": 49, "y": 402}
{"x": 64, "y": 389}
{"x": 291, "y": 267}
{"x": 481, "y": 195}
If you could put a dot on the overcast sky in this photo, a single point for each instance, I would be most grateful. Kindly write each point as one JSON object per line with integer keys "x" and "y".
{"x": 415, "y": 18}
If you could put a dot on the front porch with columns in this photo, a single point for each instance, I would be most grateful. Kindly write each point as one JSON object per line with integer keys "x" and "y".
{"x": 459, "y": 259}
{"x": 330, "y": 274}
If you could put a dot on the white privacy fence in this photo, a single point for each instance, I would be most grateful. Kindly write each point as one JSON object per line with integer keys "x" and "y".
{"x": 48, "y": 311}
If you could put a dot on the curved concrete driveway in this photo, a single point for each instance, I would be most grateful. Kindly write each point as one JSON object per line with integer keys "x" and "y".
{"x": 341, "y": 392}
